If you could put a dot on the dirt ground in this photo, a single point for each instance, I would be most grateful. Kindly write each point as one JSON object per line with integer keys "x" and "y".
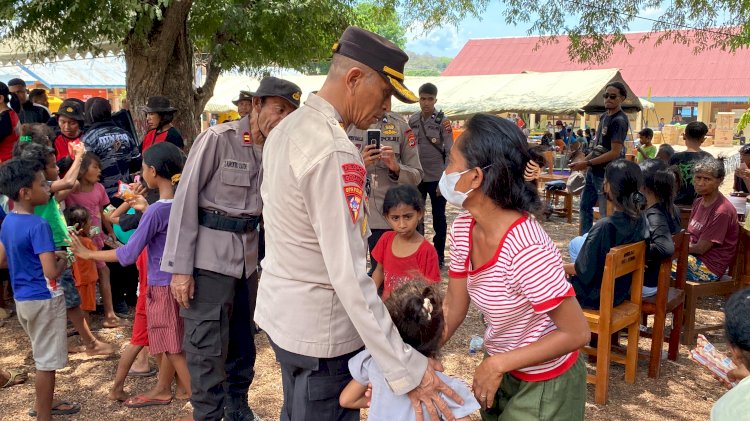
{"x": 684, "y": 392}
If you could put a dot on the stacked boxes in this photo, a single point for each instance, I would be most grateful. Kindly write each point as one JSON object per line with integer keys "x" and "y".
{"x": 724, "y": 129}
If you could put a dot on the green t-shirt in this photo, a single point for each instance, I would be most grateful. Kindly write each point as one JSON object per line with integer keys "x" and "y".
{"x": 650, "y": 153}
{"x": 51, "y": 213}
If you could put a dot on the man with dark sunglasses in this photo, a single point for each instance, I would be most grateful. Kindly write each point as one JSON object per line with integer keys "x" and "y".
{"x": 608, "y": 146}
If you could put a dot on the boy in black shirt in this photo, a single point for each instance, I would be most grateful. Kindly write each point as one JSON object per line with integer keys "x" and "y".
{"x": 695, "y": 134}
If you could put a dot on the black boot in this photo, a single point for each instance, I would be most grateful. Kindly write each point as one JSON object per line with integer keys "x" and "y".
{"x": 237, "y": 409}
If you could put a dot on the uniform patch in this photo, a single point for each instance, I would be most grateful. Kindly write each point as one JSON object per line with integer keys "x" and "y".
{"x": 389, "y": 127}
{"x": 389, "y": 132}
{"x": 353, "y": 197}
{"x": 247, "y": 139}
{"x": 351, "y": 178}
{"x": 352, "y": 168}
{"x": 447, "y": 126}
{"x": 411, "y": 138}
{"x": 236, "y": 165}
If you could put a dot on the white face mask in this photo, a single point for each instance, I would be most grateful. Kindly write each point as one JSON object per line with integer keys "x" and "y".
{"x": 447, "y": 187}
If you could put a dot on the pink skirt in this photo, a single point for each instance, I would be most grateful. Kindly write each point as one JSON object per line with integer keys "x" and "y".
{"x": 165, "y": 326}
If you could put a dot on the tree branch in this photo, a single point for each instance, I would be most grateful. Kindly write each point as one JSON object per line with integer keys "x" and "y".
{"x": 205, "y": 92}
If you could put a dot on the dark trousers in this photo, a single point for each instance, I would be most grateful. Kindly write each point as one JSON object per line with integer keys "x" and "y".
{"x": 438, "y": 216}
{"x": 219, "y": 345}
{"x": 312, "y": 386}
{"x": 124, "y": 281}
{"x": 592, "y": 195}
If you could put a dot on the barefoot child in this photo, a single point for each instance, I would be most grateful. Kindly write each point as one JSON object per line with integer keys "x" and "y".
{"x": 416, "y": 310}
{"x": 27, "y": 248}
{"x": 91, "y": 195}
{"x": 84, "y": 271}
{"x": 162, "y": 165}
{"x": 403, "y": 254}
{"x": 50, "y": 211}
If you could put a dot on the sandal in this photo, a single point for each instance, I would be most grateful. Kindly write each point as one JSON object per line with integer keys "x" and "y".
{"x": 142, "y": 401}
{"x": 15, "y": 377}
{"x": 73, "y": 408}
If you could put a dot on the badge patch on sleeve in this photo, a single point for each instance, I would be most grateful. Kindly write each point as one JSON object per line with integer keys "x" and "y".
{"x": 352, "y": 168}
{"x": 411, "y": 138}
{"x": 447, "y": 126}
{"x": 247, "y": 139}
{"x": 351, "y": 178}
{"x": 353, "y": 197}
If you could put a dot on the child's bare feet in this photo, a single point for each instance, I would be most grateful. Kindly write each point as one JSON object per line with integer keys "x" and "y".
{"x": 98, "y": 347}
{"x": 112, "y": 322}
{"x": 180, "y": 393}
{"x": 76, "y": 349}
{"x": 118, "y": 395}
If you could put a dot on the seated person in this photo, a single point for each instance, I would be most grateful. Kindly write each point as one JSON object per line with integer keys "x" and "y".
{"x": 695, "y": 134}
{"x": 559, "y": 142}
{"x": 735, "y": 405}
{"x": 665, "y": 153}
{"x": 622, "y": 184}
{"x": 575, "y": 153}
{"x": 662, "y": 218}
{"x": 546, "y": 141}
{"x": 714, "y": 228}
{"x": 742, "y": 173}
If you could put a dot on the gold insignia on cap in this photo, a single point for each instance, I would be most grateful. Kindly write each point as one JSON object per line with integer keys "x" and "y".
{"x": 69, "y": 109}
{"x": 394, "y": 73}
{"x": 296, "y": 95}
{"x": 335, "y": 47}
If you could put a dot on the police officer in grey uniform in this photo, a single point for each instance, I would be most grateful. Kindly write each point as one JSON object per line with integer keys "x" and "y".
{"x": 211, "y": 250}
{"x": 435, "y": 139}
{"x": 397, "y": 162}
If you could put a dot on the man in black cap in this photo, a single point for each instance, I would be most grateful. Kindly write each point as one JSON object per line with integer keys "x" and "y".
{"x": 316, "y": 302}
{"x": 244, "y": 103}
{"x": 435, "y": 139}
{"x": 70, "y": 120}
{"x": 30, "y": 112}
{"x": 159, "y": 117}
{"x": 212, "y": 248}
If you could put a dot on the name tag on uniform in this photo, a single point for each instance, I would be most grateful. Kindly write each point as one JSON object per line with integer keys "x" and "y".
{"x": 236, "y": 165}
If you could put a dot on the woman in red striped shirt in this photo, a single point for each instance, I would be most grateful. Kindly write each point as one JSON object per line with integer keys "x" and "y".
{"x": 504, "y": 262}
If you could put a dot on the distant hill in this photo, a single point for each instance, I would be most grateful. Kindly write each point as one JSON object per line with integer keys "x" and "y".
{"x": 425, "y": 64}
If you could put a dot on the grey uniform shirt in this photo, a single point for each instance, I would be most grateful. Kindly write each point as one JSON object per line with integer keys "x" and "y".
{"x": 395, "y": 132}
{"x": 433, "y": 162}
{"x": 314, "y": 296}
{"x": 222, "y": 173}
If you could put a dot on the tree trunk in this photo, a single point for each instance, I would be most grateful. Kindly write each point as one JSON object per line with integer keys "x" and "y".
{"x": 162, "y": 64}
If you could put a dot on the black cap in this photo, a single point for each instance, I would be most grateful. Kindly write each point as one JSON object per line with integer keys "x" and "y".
{"x": 273, "y": 86}
{"x": 72, "y": 108}
{"x": 380, "y": 55}
{"x": 646, "y": 132}
{"x": 158, "y": 104}
{"x": 244, "y": 96}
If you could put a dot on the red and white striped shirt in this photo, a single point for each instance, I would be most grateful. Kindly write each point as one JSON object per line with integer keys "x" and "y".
{"x": 515, "y": 289}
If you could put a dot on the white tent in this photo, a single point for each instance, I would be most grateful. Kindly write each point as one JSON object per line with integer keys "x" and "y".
{"x": 546, "y": 93}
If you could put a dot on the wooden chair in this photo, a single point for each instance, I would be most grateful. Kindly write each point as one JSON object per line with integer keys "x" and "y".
{"x": 727, "y": 285}
{"x": 685, "y": 216}
{"x": 552, "y": 196}
{"x": 667, "y": 300}
{"x": 608, "y": 320}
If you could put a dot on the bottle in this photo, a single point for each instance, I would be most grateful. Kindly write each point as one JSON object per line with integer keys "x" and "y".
{"x": 475, "y": 344}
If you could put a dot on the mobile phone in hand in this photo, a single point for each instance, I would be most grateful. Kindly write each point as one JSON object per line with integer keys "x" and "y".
{"x": 373, "y": 137}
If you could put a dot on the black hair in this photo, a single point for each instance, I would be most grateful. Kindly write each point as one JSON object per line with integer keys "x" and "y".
{"x": 499, "y": 148}
{"x": 88, "y": 159}
{"x": 619, "y": 86}
{"x": 165, "y": 118}
{"x": 745, "y": 149}
{"x": 4, "y": 92}
{"x": 405, "y": 194}
{"x": 736, "y": 322}
{"x": 713, "y": 166}
{"x": 417, "y": 312}
{"x": 166, "y": 158}
{"x": 37, "y": 92}
{"x": 558, "y": 136}
{"x": 625, "y": 180}
{"x": 696, "y": 130}
{"x": 16, "y": 82}
{"x": 34, "y": 152}
{"x": 97, "y": 110}
{"x": 428, "y": 88}
{"x": 661, "y": 179}
{"x": 666, "y": 149}
{"x": 17, "y": 174}
{"x": 39, "y": 132}
{"x": 77, "y": 216}
{"x": 63, "y": 165}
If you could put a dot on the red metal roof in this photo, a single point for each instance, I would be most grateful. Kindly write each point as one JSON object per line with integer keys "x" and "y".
{"x": 670, "y": 70}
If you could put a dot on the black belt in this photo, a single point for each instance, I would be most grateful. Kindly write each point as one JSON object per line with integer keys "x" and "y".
{"x": 214, "y": 220}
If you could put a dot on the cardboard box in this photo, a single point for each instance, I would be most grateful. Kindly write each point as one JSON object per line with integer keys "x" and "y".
{"x": 723, "y": 137}
{"x": 725, "y": 121}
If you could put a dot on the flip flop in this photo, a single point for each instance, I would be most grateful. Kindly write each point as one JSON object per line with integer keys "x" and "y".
{"x": 141, "y": 401}
{"x": 15, "y": 375}
{"x": 149, "y": 373}
{"x": 75, "y": 408}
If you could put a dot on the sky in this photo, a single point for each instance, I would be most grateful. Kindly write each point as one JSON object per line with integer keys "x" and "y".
{"x": 447, "y": 41}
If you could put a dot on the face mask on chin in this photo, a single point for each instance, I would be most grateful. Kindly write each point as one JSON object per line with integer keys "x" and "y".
{"x": 447, "y": 187}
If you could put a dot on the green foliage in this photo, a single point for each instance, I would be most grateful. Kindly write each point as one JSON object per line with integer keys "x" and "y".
{"x": 426, "y": 64}
{"x": 382, "y": 20}
{"x": 744, "y": 121}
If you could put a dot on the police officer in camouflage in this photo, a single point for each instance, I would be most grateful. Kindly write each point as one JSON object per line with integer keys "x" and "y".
{"x": 396, "y": 162}
{"x": 435, "y": 139}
